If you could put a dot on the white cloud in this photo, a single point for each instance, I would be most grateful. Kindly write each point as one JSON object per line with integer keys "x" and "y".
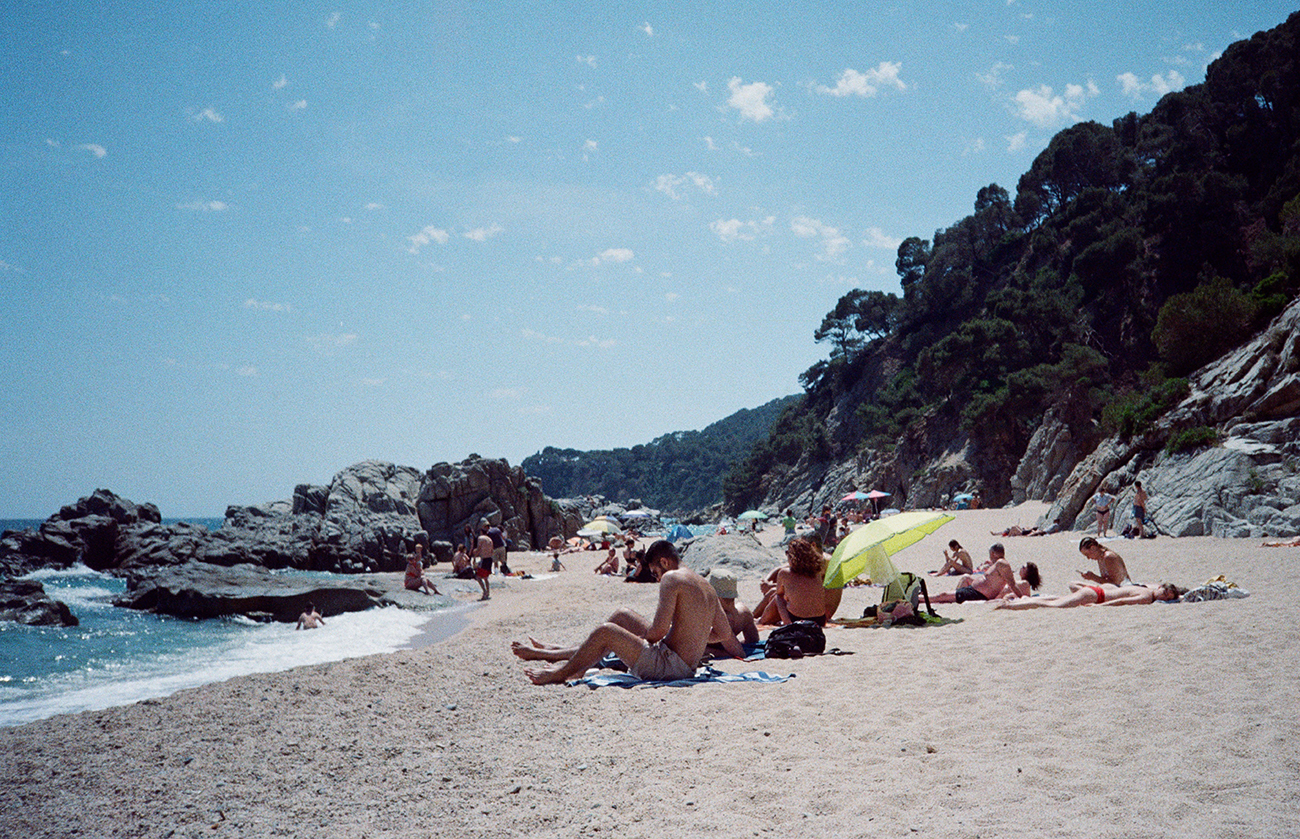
{"x": 590, "y": 341}
{"x": 425, "y": 236}
{"x": 506, "y": 393}
{"x": 702, "y": 86}
{"x": 205, "y": 206}
{"x": 648, "y": 29}
{"x": 751, "y": 99}
{"x": 1046, "y": 109}
{"x": 1159, "y": 85}
{"x": 1016, "y": 142}
{"x": 374, "y": 205}
{"x": 877, "y": 238}
{"x": 482, "y": 234}
{"x": 265, "y": 306}
{"x": 209, "y": 114}
{"x": 94, "y": 148}
{"x": 590, "y": 145}
{"x": 868, "y": 84}
{"x": 248, "y": 370}
{"x": 709, "y": 144}
{"x": 279, "y": 83}
{"x": 616, "y": 255}
{"x": 672, "y": 297}
{"x": 513, "y": 139}
{"x": 833, "y": 243}
{"x": 993, "y": 78}
{"x": 326, "y": 342}
{"x": 595, "y": 310}
{"x": 669, "y": 184}
{"x": 731, "y": 230}
{"x": 976, "y": 146}
{"x": 333, "y": 20}
{"x": 961, "y": 27}
{"x": 300, "y": 105}
{"x": 589, "y": 60}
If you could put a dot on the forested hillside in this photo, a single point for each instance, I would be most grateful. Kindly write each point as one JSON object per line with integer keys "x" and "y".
{"x": 1128, "y": 255}
{"x": 677, "y": 472}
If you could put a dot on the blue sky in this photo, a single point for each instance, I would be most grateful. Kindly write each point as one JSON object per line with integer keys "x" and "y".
{"x": 245, "y": 246}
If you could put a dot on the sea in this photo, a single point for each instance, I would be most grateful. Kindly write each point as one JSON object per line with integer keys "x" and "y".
{"x": 118, "y": 656}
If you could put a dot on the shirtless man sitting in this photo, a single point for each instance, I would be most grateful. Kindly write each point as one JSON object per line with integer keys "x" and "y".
{"x": 669, "y": 646}
{"x": 1108, "y": 562}
{"x": 1103, "y": 595}
{"x": 739, "y": 618}
{"x": 995, "y": 583}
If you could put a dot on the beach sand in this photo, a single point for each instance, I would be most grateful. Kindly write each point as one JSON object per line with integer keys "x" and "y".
{"x": 1161, "y": 720}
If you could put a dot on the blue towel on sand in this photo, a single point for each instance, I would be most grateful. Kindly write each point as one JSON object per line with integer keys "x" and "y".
{"x": 704, "y": 675}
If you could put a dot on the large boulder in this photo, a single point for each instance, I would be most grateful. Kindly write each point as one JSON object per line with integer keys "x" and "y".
{"x": 478, "y": 489}
{"x": 200, "y": 590}
{"x": 740, "y": 553}
{"x": 25, "y": 601}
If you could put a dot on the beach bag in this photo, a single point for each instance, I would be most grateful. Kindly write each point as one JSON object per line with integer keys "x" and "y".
{"x": 795, "y": 640}
{"x": 908, "y": 587}
{"x": 901, "y": 601}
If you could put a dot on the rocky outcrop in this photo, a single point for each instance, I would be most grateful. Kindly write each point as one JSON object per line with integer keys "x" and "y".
{"x": 25, "y": 601}
{"x": 1247, "y": 484}
{"x": 478, "y": 489}
{"x": 200, "y": 590}
{"x": 740, "y": 553}
{"x": 366, "y": 520}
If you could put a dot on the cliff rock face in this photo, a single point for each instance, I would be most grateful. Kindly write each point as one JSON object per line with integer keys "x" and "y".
{"x": 1247, "y": 485}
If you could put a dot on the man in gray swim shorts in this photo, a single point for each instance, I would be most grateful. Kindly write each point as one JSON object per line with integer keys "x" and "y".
{"x": 669, "y": 646}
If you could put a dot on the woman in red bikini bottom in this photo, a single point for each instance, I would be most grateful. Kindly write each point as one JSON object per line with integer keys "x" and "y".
{"x": 1086, "y": 594}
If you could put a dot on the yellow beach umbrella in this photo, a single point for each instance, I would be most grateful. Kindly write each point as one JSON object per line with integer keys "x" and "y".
{"x": 869, "y": 548}
{"x": 602, "y": 524}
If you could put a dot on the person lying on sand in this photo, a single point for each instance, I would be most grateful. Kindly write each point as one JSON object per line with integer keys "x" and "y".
{"x": 994, "y": 584}
{"x": 1108, "y": 562}
{"x": 1104, "y": 595}
{"x": 1294, "y": 543}
{"x": 958, "y": 562}
{"x": 669, "y": 646}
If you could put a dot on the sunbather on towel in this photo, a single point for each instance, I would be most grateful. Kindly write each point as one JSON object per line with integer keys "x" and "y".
{"x": 1103, "y": 595}
{"x": 669, "y": 646}
{"x": 995, "y": 583}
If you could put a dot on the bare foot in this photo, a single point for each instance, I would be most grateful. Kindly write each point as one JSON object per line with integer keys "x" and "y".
{"x": 531, "y": 653}
{"x": 544, "y": 676}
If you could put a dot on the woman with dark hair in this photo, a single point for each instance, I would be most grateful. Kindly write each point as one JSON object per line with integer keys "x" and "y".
{"x": 958, "y": 562}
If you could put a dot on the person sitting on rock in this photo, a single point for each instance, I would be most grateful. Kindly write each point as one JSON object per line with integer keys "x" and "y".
{"x": 415, "y": 579}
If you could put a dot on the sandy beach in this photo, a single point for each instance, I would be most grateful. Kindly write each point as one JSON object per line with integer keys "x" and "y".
{"x": 1160, "y": 720}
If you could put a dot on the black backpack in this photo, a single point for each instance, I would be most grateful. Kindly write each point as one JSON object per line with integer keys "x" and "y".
{"x": 795, "y": 640}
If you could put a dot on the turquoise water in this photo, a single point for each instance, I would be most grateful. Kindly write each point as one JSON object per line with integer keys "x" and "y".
{"x": 118, "y": 656}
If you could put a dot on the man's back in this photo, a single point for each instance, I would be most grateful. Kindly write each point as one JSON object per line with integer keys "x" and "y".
{"x": 694, "y": 607}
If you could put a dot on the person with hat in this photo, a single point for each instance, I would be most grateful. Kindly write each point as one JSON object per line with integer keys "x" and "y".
{"x": 738, "y": 614}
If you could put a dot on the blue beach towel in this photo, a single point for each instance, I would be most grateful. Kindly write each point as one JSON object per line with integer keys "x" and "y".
{"x": 704, "y": 675}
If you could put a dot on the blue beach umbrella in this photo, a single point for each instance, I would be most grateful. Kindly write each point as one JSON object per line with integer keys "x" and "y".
{"x": 679, "y": 531}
